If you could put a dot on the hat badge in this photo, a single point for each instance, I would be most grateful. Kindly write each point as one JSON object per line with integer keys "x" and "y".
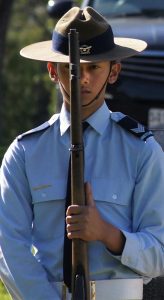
{"x": 85, "y": 49}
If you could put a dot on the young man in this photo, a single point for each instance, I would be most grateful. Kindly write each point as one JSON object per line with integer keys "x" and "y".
{"x": 124, "y": 169}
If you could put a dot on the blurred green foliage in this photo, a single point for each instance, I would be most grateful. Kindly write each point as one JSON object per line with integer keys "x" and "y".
{"x": 2, "y": 152}
{"x": 29, "y": 98}
{"x": 27, "y": 89}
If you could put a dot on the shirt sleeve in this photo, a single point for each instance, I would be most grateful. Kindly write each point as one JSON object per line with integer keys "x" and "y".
{"x": 16, "y": 217}
{"x": 144, "y": 247}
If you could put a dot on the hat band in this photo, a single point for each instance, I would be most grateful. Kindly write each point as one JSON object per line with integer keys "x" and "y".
{"x": 98, "y": 45}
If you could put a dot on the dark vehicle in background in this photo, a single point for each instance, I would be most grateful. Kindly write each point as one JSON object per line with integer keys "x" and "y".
{"x": 139, "y": 91}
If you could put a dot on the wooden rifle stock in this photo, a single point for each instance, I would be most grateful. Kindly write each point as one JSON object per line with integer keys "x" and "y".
{"x": 80, "y": 273}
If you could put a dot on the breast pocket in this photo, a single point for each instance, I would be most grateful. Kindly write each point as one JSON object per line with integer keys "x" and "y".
{"x": 114, "y": 200}
{"x": 49, "y": 191}
{"x": 49, "y": 209}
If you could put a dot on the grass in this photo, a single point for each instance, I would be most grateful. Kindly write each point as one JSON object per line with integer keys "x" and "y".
{"x": 3, "y": 293}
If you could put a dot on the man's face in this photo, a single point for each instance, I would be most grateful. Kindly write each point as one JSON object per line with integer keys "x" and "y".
{"x": 93, "y": 79}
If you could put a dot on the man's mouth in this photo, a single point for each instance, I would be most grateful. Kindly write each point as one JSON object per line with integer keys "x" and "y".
{"x": 85, "y": 91}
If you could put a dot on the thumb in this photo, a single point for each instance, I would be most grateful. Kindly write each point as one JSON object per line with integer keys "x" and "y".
{"x": 89, "y": 195}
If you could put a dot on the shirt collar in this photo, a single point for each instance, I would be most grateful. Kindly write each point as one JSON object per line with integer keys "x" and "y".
{"x": 64, "y": 120}
{"x": 100, "y": 119}
{"x": 97, "y": 121}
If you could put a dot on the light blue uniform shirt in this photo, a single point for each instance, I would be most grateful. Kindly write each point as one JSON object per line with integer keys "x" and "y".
{"x": 127, "y": 178}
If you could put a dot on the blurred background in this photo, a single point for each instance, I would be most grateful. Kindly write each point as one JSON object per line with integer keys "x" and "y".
{"x": 28, "y": 97}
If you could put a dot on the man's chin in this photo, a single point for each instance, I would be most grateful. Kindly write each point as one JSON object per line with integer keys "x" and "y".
{"x": 88, "y": 103}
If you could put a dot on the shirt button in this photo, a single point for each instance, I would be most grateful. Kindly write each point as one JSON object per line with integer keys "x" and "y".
{"x": 114, "y": 197}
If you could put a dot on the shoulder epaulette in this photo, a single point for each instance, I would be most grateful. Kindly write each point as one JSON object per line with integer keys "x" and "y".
{"x": 131, "y": 125}
{"x": 42, "y": 127}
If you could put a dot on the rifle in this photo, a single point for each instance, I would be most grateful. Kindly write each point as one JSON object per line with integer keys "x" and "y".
{"x": 80, "y": 273}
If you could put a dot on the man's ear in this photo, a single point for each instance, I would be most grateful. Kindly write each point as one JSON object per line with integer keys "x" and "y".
{"x": 115, "y": 70}
{"x": 52, "y": 70}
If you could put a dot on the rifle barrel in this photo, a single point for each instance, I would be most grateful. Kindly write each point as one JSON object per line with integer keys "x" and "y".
{"x": 80, "y": 273}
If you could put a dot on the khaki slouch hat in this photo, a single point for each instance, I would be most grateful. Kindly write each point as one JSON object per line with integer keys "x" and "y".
{"x": 96, "y": 40}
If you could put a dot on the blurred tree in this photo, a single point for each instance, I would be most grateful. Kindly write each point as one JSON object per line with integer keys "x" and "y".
{"x": 5, "y": 11}
{"x": 26, "y": 86}
{"x": 27, "y": 97}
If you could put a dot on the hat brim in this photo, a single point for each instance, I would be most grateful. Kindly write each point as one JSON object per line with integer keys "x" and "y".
{"x": 124, "y": 48}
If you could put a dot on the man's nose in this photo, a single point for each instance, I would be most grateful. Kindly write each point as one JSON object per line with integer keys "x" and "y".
{"x": 84, "y": 76}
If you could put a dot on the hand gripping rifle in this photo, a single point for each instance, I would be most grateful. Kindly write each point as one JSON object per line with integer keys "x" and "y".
{"x": 80, "y": 274}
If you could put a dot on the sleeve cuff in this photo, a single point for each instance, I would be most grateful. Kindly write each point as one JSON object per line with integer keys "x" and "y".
{"x": 131, "y": 250}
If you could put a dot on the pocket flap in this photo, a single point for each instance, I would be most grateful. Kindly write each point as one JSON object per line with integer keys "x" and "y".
{"x": 112, "y": 191}
{"x": 49, "y": 192}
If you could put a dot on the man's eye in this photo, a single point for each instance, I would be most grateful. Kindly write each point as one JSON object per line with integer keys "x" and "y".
{"x": 94, "y": 67}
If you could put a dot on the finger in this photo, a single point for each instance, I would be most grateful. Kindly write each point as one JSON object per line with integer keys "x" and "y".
{"x": 73, "y": 210}
{"x": 77, "y": 234}
{"x": 74, "y": 227}
{"x": 89, "y": 195}
{"x": 73, "y": 219}
{"x": 73, "y": 235}
{"x": 75, "y": 231}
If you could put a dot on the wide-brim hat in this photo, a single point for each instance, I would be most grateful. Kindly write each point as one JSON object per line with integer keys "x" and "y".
{"x": 96, "y": 40}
